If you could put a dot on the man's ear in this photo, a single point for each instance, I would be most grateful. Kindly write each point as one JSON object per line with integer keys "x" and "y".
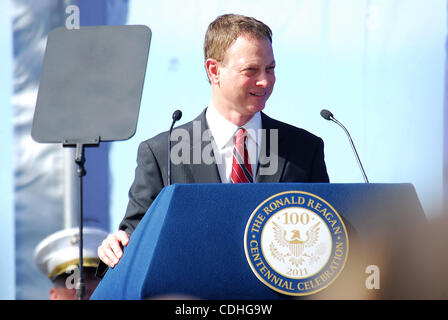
{"x": 212, "y": 67}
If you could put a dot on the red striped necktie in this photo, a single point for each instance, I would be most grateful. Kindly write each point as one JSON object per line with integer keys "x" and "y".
{"x": 241, "y": 168}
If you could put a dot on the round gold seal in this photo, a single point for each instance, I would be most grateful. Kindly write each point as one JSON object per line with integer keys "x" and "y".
{"x": 296, "y": 243}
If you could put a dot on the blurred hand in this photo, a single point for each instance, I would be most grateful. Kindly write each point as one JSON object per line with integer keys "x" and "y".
{"x": 110, "y": 251}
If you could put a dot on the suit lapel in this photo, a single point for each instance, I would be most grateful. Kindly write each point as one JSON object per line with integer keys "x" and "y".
{"x": 208, "y": 172}
{"x": 269, "y": 154}
{"x": 202, "y": 171}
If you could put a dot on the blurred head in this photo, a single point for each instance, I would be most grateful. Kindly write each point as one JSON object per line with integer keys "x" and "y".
{"x": 64, "y": 285}
{"x": 57, "y": 257}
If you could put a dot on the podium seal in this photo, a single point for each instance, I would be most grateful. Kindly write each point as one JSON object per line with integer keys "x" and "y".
{"x": 296, "y": 243}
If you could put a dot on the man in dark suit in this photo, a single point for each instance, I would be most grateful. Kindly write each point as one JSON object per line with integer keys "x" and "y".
{"x": 240, "y": 66}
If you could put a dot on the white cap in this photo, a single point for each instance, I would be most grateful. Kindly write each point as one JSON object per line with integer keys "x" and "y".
{"x": 60, "y": 251}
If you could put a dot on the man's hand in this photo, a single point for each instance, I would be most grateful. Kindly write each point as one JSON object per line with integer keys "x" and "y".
{"x": 110, "y": 251}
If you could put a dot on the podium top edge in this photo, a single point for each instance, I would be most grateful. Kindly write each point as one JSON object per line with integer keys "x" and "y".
{"x": 302, "y": 185}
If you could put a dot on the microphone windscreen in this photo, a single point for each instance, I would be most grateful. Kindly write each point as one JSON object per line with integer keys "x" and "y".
{"x": 326, "y": 114}
{"x": 177, "y": 115}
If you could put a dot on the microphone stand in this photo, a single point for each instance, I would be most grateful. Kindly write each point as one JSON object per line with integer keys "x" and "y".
{"x": 327, "y": 115}
{"x": 176, "y": 116}
{"x": 353, "y": 147}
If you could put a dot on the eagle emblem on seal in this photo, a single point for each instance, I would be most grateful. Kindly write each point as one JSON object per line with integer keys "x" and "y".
{"x": 294, "y": 243}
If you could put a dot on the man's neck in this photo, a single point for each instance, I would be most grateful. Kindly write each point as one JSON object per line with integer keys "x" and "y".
{"x": 233, "y": 116}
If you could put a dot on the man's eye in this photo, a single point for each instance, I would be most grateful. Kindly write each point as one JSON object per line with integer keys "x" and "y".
{"x": 250, "y": 70}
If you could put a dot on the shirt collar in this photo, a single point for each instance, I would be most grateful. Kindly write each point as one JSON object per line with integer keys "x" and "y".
{"x": 223, "y": 130}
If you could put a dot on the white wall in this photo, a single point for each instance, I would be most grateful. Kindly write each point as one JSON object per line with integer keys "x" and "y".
{"x": 377, "y": 65}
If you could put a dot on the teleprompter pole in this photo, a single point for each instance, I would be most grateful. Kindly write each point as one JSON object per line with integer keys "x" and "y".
{"x": 81, "y": 172}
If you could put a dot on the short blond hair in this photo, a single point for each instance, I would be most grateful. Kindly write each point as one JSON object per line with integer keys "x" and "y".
{"x": 225, "y": 29}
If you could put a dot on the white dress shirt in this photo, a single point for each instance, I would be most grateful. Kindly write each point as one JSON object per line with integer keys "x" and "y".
{"x": 223, "y": 132}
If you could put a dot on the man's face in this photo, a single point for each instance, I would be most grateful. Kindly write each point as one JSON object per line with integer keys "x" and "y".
{"x": 246, "y": 77}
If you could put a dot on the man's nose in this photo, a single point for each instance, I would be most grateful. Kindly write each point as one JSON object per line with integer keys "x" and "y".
{"x": 263, "y": 81}
{"x": 266, "y": 79}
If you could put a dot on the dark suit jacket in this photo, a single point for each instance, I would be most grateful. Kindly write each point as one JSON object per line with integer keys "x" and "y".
{"x": 300, "y": 159}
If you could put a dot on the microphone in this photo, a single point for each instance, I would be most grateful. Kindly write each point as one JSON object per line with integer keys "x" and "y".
{"x": 327, "y": 115}
{"x": 176, "y": 117}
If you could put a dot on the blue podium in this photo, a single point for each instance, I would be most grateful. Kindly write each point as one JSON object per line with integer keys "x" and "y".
{"x": 191, "y": 240}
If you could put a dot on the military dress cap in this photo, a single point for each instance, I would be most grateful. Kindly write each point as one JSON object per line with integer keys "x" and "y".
{"x": 59, "y": 252}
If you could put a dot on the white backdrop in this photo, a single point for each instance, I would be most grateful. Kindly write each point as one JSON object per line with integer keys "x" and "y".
{"x": 377, "y": 65}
